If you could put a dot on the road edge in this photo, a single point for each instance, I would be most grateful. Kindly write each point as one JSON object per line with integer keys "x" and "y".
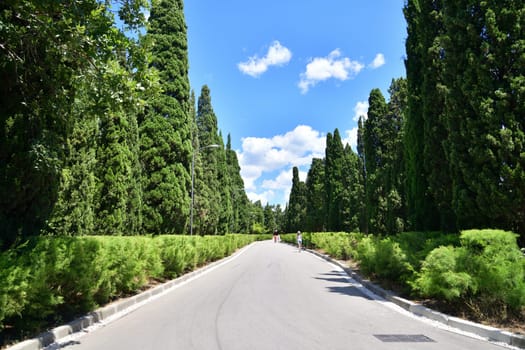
{"x": 491, "y": 334}
{"x": 117, "y": 309}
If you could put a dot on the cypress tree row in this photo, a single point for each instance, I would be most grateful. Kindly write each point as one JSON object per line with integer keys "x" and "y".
{"x": 89, "y": 142}
{"x": 58, "y": 78}
{"x": 465, "y": 72}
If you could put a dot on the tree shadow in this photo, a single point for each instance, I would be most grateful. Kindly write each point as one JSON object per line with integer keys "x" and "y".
{"x": 346, "y": 287}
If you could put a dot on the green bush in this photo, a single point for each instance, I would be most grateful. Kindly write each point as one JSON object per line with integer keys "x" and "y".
{"x": 440, "y": 276}
{"x": 496, "y": 265}
{"x": 417, "y": 245}
{"x": 383, "y": 258}
{"x": 487, "y": 271}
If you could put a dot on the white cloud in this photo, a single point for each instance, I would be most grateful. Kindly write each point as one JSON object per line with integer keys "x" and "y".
{"x": 266, "y": 163}
{"x": 378, "y": 61}
{"x": 324, "y": 68}
{"x": 277, "y": 55}
{"x": 360, "y": 110}
{"x": 351, "y": 138}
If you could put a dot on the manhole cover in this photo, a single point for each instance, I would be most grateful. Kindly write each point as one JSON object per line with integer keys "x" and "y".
{"x": 404, "y": 338}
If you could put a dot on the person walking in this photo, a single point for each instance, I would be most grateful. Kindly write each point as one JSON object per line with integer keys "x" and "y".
{"x": 275, "y": 236}
{"x": 299, "y": 241}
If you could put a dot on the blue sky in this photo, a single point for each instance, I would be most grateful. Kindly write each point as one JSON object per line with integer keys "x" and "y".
{"x": 284, "y": 73}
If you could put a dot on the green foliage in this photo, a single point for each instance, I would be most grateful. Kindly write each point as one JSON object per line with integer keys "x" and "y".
{"x": 315, "y": 196}
{"x": 487, "y": 270}
{"x": 441, "y": 277}
{"x": 165, "y": 129}
{"x": 383, "y": 258}
{"x": 296, "y": 211}
{"x": 497, "y": 266}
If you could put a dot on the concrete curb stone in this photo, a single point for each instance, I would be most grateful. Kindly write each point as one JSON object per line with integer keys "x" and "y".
{"x": 487, "y": 332}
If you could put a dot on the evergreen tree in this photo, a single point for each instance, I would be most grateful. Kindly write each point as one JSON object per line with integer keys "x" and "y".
{"x": 315, "y": 197}
{"x": 484, "y": 71}
{"x": 428, "y": 174}
{"x": 375, "y": 150}
{"x": 353, "y": 192}
{"x": 118, "y": 170}
{"x": 269, "y": 218}
{"x": 74, "y": 210}
{"x": 296, "y": 211}
{"x": 239, "y": 199}
{"x": 394, "y": 170}
{"x": 54, "y": 59}
{"x": 334, "y": 177}
{"x": 37, "y": 65}
{"x": 209, "y": 199}
{"x": 363, "y": 222}
{"x": 165, "y": 131}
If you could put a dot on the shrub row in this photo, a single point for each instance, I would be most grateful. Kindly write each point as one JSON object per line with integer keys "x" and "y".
{"x": 48, "y": 280}
{"x": 482, "y": 268}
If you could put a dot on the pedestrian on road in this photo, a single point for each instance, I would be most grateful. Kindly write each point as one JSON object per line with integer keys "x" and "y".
{"x": 275, "y": 235}
{"x": 299, "y": 240}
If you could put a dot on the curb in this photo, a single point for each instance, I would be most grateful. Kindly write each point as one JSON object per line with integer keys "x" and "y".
{"x": 489, "y": 333}
{"x": 47, "y": 338}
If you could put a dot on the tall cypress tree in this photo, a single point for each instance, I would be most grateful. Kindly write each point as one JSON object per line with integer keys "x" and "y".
{"x": 315, "y": 196}
{"x": 119, "y": 196}
{"x": 429, "y": 182}
{"x": 41, "y": 56}
{"x": 208, "y": 201}
{"x": 393, "y": 170}
{"x": 353, "y": 192}
{"x": 375, "y": 150}
{"x": 166, "y": 129}
{"x": 334, "y": 168}
{"x": 363, "y": 225}
{"x": 485, "y": 75}
{"x": 239, "y": 199}
{"x": 296, "y": 211}
{"x": 75, "y": 208}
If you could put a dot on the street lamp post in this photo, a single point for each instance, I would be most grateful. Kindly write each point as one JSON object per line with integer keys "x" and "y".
{"x": 193, "y": 181}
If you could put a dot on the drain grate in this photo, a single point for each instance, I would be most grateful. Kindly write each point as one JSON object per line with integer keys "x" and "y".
{"x": 404, "y": 338}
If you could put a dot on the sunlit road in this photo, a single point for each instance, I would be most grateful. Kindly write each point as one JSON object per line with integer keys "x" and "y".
{"x": 271, "y": 297}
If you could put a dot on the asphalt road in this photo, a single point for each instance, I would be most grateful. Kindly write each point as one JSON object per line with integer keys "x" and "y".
{"x": 271, "y": 297}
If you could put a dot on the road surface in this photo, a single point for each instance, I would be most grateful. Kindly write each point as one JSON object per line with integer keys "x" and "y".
{"x": 271, "y": 297}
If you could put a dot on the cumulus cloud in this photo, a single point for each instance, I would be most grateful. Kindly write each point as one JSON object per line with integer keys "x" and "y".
{"x": 351, "y": 138}
{"x": 277, "y": 55}
{"x": 378, "y": 61}
{"x": 360, "y": 110}
{"x": 324, "y": 68}
{"x": 273, "y": 159}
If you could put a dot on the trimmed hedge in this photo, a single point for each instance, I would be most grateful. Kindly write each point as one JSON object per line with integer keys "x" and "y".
{"x": 49, "y": 280}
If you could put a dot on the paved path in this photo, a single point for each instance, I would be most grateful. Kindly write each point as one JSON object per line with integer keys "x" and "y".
{"x": 271, "y": 297}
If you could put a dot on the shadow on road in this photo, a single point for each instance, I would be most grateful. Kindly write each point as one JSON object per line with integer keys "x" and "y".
{"x": 345, "y": 287}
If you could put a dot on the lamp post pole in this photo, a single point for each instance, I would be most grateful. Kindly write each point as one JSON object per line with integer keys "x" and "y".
{"x": 193, "y": 181}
